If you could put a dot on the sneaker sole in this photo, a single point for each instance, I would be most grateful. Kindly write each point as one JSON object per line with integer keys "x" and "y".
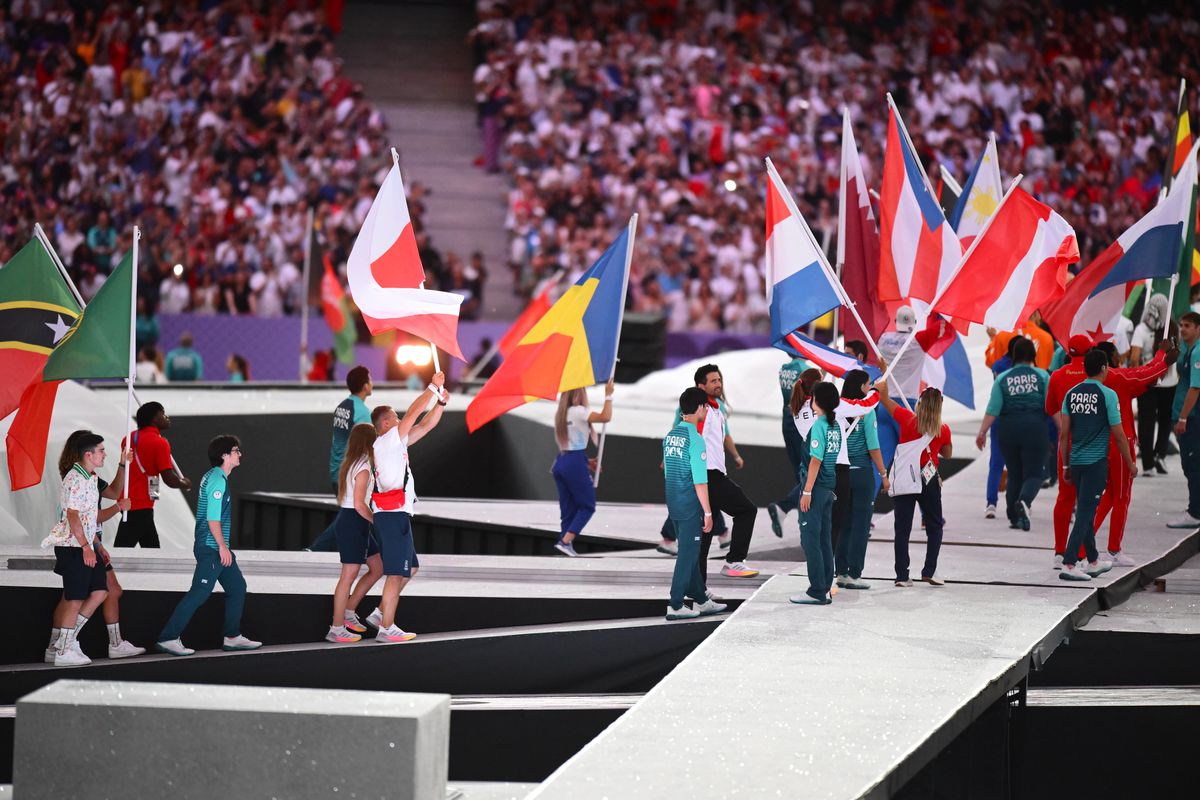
{"x": 711, "y": 613}
{"x": 809, "y": 601}
{"x": 676, "y": 617}
{"x": 665, "y": 551}
{"x": 233, "y": 648}
{"x": 113, "y": 655}
{"x": 172, "y": 652}
{"x": 776, "y": 523}
{"x": 739, "y": 574}
{"x": 1064, "y": 576}
{"x": 343, "y": 641}
{"x": 399, "y": 640}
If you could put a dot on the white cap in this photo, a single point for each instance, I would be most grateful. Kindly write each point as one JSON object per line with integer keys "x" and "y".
{"x": 906, "y": 319}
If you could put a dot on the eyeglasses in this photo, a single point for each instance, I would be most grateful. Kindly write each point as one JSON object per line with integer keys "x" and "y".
{"x": 237, "y": 451}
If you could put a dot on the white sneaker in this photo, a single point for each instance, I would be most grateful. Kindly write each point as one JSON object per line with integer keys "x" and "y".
{"x": 394, "y": 634}
{"x": 1058, "y": 561}
{"x": 51, "y": 652}
{"x": 70, "y": 657}
{"x": 842, "y": 580}
{"x": 683, "y": 612}
{"x": 173, "y": 648}
{"x": 1074, "y": 572}
{"x": 667, "y": 547}
{"x": 738, "y": 570}
{"x": 1184, "y": 520}
{"x": 1122, "y": 560}
{"x": 933, "y": 580}
{"x": 125, "y": 650}
{"x": 1098, "y": 567}
{"x": 709, "y": 607}
{"x": 239, "y": 642}
{"x": 375, "y": 619}
{"x": 566, "y": 549}
{"x": 855, "y": 583}
{"x": 990, "y": 511}
{"x": 1147, "y": 473}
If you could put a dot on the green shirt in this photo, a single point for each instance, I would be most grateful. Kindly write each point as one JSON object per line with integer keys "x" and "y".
{"x": 789, "y": 373}
{"x": 213, "y": 505}
{"x": 685, "y": 464}
{"x": 1188, "y": 366}
{"x": 1020, "y": 390}
{"x": 184, "y": 364}
{"x": 1092, "y": 409}
{"x": 824, "y": 443}
{"x": 1060, "y": 358}
{"x": 864, "y": 438}
{"x": 350, "y": 412}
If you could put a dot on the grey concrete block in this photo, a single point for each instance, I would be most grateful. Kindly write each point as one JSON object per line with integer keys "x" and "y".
{"x": 112, "y": 739}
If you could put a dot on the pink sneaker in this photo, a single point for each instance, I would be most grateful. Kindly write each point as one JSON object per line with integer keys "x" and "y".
{"x": 393, "y": 634}
{"x": 340, "y": 635}
{"x": 738, "y": 570}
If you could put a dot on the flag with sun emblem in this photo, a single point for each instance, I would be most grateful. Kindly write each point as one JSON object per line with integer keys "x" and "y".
{"x": 980, "y": 196}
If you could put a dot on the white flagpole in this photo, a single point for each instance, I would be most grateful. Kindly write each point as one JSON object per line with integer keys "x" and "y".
{"x": 938, "y": 296}
{"x": 304, "y": 281}
{"x": 620, "y": 322}
{"x": 40, "y": 234}
{"x": 129, "y": 424}
{"x": 437, "y": 365}
{"x": 949, "y": 180}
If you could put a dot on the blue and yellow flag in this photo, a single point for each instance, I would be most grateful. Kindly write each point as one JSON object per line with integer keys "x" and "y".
{"x": 573, "y": 345}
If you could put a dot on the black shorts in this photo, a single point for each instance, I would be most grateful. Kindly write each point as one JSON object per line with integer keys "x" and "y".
{"x": 137, "y": 529}
{"x": 79, "y": 580}
{"x": 355, "y": 539}
{"x": 396, "y": 543}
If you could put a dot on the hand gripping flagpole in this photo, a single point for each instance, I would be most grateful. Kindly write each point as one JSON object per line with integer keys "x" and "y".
{"x": 938, "y": 295}
{"x": 137, "y": 234}
{"x": 437, "y": 366}
{"x": 620, "y": 322}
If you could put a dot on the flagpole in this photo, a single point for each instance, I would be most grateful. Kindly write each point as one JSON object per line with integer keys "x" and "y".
{"x": 129, "y": 424}
{"x": 949, "y": 180}
{"x": 847, "y": 132}
{"x": 1170, "y": 302}
{"x": 304, "y": 281}
{"x": 40, "y": 234}
{"x": 620, "y": 323}
{"x": 938, "y": 295}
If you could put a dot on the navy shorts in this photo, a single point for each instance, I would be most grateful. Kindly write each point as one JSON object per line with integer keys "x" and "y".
{"x": 394, "y": 529}
{"x": 355, "y": 540}
{"x": 79, "y": 580}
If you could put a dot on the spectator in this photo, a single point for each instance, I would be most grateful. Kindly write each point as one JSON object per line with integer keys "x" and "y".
{"x": 147, "y": 369}
{"x": 173, "y": 294}
{"x": 102, "y": 240}
{"x": 146, "y": 329}
{"x": 184, "y": 363}
{"x": 238, "y": 368}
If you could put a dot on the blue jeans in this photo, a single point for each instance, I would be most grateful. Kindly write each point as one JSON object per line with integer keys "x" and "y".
{"x": 687, "y": 580}
{"x": 208, "y": 574}
{"x": 851, "y": 551}
{"x": 816, "y": 537}
{"x": 576, "y": 495}
{"x": 1089, "y": 480}
{"x": 995, "y": 467}
{"x": 1025, "y": 454}
{"x": 930, "y": 500}
{"x": 1189, "y": 459}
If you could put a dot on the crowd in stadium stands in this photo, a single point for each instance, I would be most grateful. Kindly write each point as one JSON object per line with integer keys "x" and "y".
{"x": 213, "y": 125}
{"x": 597, "y": 110}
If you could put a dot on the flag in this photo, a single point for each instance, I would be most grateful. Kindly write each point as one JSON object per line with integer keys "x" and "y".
{"x": 858, "y": 244}
{"x": 1019, "y": 265}
{"x": 337, "y": 312}
{"x": 834, "y": 362}
{"x": 1150, "y": 248}
{"x": 96, "y": 346}
{"x": 798, "y": 287}
{"x": 1181, "y": 142}
{"x": 1174, "y": 161}
{"x": 573, "y": 345}
{"x": 918, "y": 248}
{"x": 951, "y": 373}
{"x": 533, "y": 312}
{"x": 37, "y": 309}
{"x": 937, "y": 336}
{"x": 948, "y": 190}
{"x": 384, "y": 271}
{"x": 980, "y": 197}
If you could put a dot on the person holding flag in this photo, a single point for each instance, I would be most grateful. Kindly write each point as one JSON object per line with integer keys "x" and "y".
{"x": 572, "y": 431}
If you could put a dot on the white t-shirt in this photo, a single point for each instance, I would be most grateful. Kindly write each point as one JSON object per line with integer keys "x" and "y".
{"x": 391, "y": 463}
{"x": 1143, "y": 337}
{"x": 907, "y": 372}
{"x": 578, "y": 428}
{"x": 714, "y": 439}
{"x": 348, "y": 490}
{"x": 805, "y": 419}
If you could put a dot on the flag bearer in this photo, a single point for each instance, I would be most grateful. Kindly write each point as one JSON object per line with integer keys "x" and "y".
{"x": 572, "y": 469}
{"x": 1186, "y": 413}
{"x": 1018, "y": 407}
{"x": 1091, "y": 414}
{"x": 685, "y": 466}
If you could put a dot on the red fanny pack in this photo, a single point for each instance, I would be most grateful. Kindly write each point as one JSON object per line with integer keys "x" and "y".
{"x": 392, "y": 500}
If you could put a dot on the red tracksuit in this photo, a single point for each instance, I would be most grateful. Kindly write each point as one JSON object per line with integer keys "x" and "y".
{"x": 1062, "y": 381}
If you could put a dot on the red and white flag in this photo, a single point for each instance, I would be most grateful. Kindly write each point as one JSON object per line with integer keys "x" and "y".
{"x": 1018, "y": 263}
{"x": 385, "y": 274}
{"x": 858, "y": 244}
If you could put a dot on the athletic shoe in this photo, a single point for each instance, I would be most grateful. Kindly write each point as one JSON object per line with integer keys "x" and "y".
{"x": 683, "y": 612}
{"x": 738, "y": 570}
{"x": 352, "y": 623}
{"x": 667, "y": 547}
{"x": 125, "y": 650}
{"x": 856, "y": 583}
{"x": 805, "y": 600}
{"x": 1023, "y": 508}
{"x": 70, "y": 657}
{"x": 933, "y": 580}
{"x": 725, "y": 539}
{"x": 394, "y": 634}
{"x": 1184, "y": 520}
{"x": 239, "y": 642}
{"x": 1122, "y": 560}
{"x": 709, "y": 607}
{"x": 566, "y": 549}
{"x": 990, "y": 511}
{"x": 341, "y": 635}
{"x": 1074, "y": 572}
{"x": 1160, "y": 466}
{"x": 375, "y": 619}
{"x": 51, "y": 652}
{"x": 841, "y": 580}
{"x": 1058, "y": 561}
{"x": 905, "y": 584}
{"x": 173, "y": 648}
{"x": 1098, "y": 568}
{"x": 776, "y": 516}
{"x": 1148, "y": 472}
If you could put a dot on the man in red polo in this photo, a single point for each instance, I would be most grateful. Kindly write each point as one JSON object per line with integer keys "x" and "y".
{"x": 151, "y": 464}
{"x": 1062, "y": 381}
